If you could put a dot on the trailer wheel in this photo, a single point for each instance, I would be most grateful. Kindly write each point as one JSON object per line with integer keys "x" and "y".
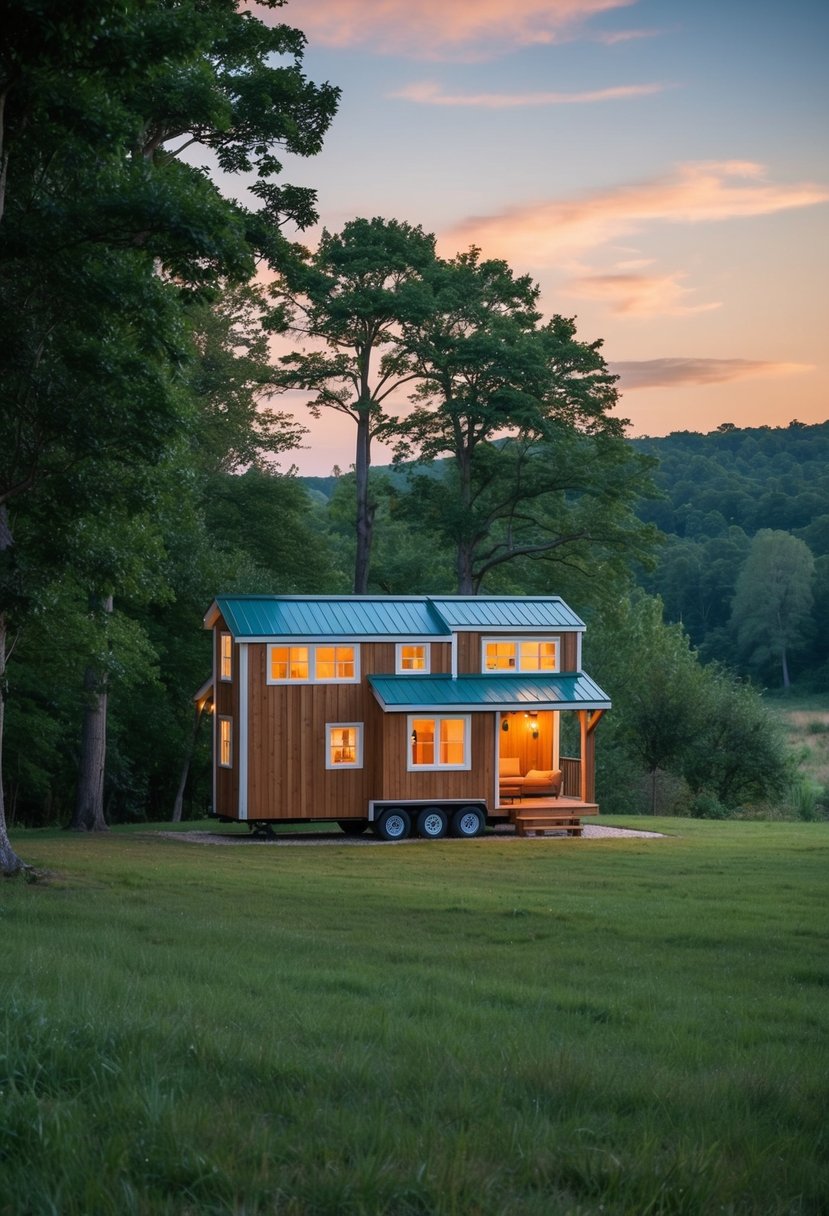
{"x": 432, "y": 823}
{"x": 393, "y": 824}
{"x": 353, "y": 827}
{"x": 468, "y": 821}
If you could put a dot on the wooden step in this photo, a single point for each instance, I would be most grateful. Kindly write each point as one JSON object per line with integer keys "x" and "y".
{"x": 528, "y": 823}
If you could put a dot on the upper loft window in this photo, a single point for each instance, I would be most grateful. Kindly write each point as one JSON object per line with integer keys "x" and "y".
{"x": 520, "y": 654}
{"x": 338, "y": 664}
{"x": 225, "y": 656}
{"x": 412, "y": 657}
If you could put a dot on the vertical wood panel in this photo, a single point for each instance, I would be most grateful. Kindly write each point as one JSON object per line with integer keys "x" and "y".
{"x": 519, "y": 743}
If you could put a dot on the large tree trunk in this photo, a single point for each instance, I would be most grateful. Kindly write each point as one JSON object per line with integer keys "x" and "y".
{"x": 10, "y": 863}
{"x": 465, "y": 554}
{"x": 89, "y": 800}
{"x": 365, "y": 509}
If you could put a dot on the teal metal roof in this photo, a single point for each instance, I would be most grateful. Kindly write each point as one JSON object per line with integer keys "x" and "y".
{"x": 348, "y": 616}
{"x": 506, "y": 612}
{"x": 570, "y": 690}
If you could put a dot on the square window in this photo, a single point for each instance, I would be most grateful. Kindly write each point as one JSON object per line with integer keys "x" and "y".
{"x": 538, "y": 656}
{"x": 334, "y": 663}
{"x": 289, "y": 663}
{"x": 500, "y": 656}
{"x": 412, "y": 657}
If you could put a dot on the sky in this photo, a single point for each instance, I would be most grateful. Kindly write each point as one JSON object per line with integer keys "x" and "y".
{"x": 660, "y": 168}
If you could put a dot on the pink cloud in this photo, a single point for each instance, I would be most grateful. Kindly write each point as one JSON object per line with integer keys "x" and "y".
{"x": 671, "y": 373}
{"x": 541, "y": 233}
{"x": 640, "y": 295}
{"x": 612, "y": 37}
{"x": 430, "y": 93}
{"x": 435, "y": 28}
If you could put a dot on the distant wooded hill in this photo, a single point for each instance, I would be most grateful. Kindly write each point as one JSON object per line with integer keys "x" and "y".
{"x": 760, "y": 477}
{"x": 718, "y": 491}
{"x": 753, "y": 478}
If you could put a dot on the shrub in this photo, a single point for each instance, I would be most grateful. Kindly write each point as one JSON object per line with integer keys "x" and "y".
{"x": 708, "y": 806}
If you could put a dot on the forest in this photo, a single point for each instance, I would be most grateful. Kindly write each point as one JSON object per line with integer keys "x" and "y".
{"x": 145, "y": 464}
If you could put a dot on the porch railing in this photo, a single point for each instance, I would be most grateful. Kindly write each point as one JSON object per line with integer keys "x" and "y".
{"x": 571, "y": 776}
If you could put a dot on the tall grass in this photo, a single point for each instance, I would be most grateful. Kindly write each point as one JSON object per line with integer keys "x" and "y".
{"x": 486, "y": 1027}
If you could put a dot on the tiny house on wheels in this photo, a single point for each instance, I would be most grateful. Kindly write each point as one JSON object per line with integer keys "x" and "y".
{"x": 426, "y": 714}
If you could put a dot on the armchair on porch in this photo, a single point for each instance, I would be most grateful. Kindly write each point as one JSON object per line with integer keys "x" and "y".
{"x": 536, "y": 783}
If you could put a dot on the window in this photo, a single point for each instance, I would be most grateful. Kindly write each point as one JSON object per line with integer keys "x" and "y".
{"x": 288, "y": 663}
{"x": 225, "y": 742}
{"x": 225, "y": 656}
{"x": 500, "y": 656}
{"x": 344, "y": 745}
{"x": 440, "y": 742}
{"x": 335, "y": 663}
{"x": 412, "y": 657}
{"x": 338, "y": 664}
{"x": 520, "y": 654}
{"x": 538, "y": 655}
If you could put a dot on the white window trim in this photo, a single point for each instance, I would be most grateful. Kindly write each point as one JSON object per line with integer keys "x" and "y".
{"x": 411, "y": 767}
{"x": 516, "y": 640}
{"x": 312, "y": 649}
{"x": 226, "y": 679}
{"x": 343, "y": 768}
{"x": 400, "y": 670}
{"x": 221, "y": 763}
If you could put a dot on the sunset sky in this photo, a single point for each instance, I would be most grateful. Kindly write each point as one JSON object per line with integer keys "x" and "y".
{"x": 660, "y": 168}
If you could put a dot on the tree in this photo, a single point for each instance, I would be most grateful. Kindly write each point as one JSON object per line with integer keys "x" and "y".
{"x": 657, "y": 686}
{"x": 738, "y": 751}
{"x": 105, "y": 231}
{"x": 771, "y": 610}
{"x": 522, "y": 410}
{"x": 355, "y": 295}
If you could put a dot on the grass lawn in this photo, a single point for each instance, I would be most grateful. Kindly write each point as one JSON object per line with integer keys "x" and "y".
{"x": 457, "y": 1028}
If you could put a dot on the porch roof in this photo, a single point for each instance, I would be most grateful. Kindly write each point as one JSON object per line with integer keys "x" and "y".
{"x": 411, "y": 693}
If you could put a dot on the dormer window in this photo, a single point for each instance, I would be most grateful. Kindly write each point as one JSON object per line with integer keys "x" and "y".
{"x": 519, "y": 654}
{"x": 412, "y": 658}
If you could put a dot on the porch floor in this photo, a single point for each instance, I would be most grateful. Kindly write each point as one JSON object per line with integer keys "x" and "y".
{"x": 564, "y": 805}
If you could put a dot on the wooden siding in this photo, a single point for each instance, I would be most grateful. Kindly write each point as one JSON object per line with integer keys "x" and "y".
{"x": 469, "y": 648}
{"x": 397, "y": 784}
{"x": 287, "y": 742}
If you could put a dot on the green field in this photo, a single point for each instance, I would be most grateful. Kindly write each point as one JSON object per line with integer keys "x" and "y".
{"x": 475, "y": 1028}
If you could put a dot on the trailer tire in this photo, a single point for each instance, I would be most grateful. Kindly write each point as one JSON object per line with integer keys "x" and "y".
{"x": 468, "y": 822}
{"x": 432, "y": 823}
{"x": 353, "y": 827}
{"x": 394, "y": 823}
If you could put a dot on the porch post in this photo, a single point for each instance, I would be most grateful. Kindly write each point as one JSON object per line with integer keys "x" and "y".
{"x": 583, "y": 755}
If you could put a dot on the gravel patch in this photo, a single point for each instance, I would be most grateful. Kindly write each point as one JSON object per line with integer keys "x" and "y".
{"x": 591, "y": 832}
